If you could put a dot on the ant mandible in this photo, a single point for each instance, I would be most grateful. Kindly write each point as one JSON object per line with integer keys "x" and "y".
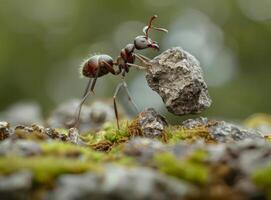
{"x": 100, "y": 65}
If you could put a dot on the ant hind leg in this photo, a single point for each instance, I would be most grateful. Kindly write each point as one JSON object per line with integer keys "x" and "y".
{"x": 115, "y": 103}
{"x": 89, "y": 89}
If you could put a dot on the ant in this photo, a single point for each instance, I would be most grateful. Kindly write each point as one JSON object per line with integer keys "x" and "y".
{"x": 100, "y": 65}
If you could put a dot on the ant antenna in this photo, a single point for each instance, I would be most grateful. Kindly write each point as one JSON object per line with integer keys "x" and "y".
{"x": 146, "y": 29}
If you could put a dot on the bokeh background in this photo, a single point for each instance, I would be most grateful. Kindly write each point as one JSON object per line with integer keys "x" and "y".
{"x": 42, "y": 44}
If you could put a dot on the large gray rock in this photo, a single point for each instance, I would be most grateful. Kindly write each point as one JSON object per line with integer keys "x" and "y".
{"x": 177, "y": 77}
{"x": 120, "y": 183}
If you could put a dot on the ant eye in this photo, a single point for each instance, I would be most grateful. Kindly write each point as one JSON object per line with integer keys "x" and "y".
{"x": 143, "y": 41}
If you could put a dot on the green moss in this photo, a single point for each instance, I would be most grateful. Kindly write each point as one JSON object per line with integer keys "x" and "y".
{"x": 62, "y": 131}
{"x": 262, "y": 178}
{"x": 191, "y": 169}
{"x": 61, "y": 149}
{"x": 108, "y": 137}
{"x": 175, "y": 134}
{"x": 45, "y": 169}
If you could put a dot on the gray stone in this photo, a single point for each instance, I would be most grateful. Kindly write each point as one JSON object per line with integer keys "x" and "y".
{"x": 19, "y": 148}
{"x": 177, "y": 77}
{"x": 120, "y": 183}
{"x": 5, "y": 131}
{"x": 74, "y": 137}
{"x": 193, "y": 123}
{"x": 143, "y": 148}
{"x": 25, "y": 113}
{"x": 92, "y": 116}
{"x": 226, "y": 132}
{"x": 16, "y": 186}
{"x": 101, "y": 112}
{"x": 151, "y": 123}
{"x": 223, "y": 131}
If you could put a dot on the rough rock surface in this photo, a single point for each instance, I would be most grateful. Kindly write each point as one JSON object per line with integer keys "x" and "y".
{"x": 16, "y": 186}
{"x": 143, "y": 148}
{"x": 73, "y": 137}
{"x": 19, "y": 148}
{"x": 222, "y": 131}
{"x": 151, "y": 123}
{"x": 5, "y": 131}
{"x": 177, "y": 77}
{"x": 120, "y": 183}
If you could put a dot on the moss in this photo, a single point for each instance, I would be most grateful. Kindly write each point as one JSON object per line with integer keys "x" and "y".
{"x": 67, "y": 150}
{"x": 175, "y": 134}
{"x": 62, "y": 158}
{"x": 257, "y": 120}
{"x": 108, "y": 137}
{"x": 134, "y": 128}
{"x": 191, "y": 169}
{"x": 45, "y": 169}
{"x": 262, "y": 178}
{"x": 268, "y": 138}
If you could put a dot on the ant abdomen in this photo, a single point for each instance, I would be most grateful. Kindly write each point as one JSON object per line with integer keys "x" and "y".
{"x": 96, "y": 64}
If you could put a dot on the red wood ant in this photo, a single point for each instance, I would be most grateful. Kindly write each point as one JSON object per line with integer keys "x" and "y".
{"x": 100, "y": 65}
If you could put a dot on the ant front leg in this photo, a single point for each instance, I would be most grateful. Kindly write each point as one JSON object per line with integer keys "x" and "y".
{"x": 129, "y": 95}
{"x": 143, "y": 59}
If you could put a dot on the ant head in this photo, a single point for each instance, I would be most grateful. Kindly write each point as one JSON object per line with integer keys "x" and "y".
{"x": 144, "y": 41}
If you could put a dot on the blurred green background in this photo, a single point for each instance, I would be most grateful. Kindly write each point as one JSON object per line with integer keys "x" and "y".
{"x": 43, "y": 42}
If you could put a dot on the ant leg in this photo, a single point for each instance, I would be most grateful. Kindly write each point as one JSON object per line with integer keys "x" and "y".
{"x": 87, "y": 92}
{"x": 143, "y": 57}
{"x": 80, "y": 108}
{"x": 129, "y": 95}
{"x": 110, "y": 68}
{"x": 144, "y": 60}
{"x": 136, "y": 66}
{"x": 115, "y": 104}
{"x": 87, "y": 87}
{"x": 122, "y": 84}
{"x": 95, "y": 80}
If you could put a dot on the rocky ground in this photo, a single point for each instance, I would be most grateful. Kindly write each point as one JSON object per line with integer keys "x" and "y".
{"x": 145, "y": 159}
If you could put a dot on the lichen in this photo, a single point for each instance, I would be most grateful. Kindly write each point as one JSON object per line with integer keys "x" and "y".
{"x": 190, "y": 169}
{"x": 262, "y": 178}
{"x": 45, "y": 168}
{"x": 67, "y": 150}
